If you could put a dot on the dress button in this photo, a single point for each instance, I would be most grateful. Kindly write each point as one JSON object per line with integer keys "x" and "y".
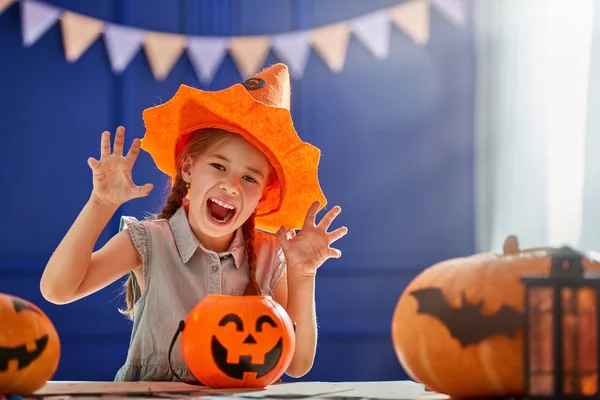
{"x": 215, "y": 268}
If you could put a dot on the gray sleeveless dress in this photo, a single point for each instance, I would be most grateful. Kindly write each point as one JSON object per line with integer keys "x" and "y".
{"x": 178, "y": 273}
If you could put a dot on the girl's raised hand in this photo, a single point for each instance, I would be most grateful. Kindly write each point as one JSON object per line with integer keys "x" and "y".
{"x": 309, "y": 249}
{"x": 113, "y": 184}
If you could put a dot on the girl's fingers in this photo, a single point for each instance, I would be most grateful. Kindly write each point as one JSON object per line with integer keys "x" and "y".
{"x": 134, "y": 150}
{"x": 119, "y": 141}
{"x": 337, "y": 234}
{"x": 311, "y": 214}
{"x": 329, "y": 217}
{"x": 334, "y": 253}
{"x": 142, "y": 191}
{"x": 93, "y": 163}
{"x": 105, "y": 144}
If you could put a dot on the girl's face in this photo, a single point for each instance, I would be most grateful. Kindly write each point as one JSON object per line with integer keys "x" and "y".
{"x": 226, "y": 184}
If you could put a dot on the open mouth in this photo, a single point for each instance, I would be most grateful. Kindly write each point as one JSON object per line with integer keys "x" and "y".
{"x": 237, "y": 371}
{"x": 219, "y": 210}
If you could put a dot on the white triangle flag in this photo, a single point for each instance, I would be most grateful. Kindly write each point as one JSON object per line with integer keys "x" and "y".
{"x": 4, "y": 4}
{"x": 331, "y": 43}
{"x": 249, "y": 53}
{"x": 163, "y": 50}
{"x": 373, "y": 30}
{"x": 78, "y": 33}
{"x": 206, "y": 54}
{"x": 413, "y": 18}
{"x": 36, "y": 19}
{"x": 294, "y": 49}
{"x": 454, "y": 10}
{"x": 122, "y": 44}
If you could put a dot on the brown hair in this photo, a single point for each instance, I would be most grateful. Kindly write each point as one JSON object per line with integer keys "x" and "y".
{"x": 199, "y": 141}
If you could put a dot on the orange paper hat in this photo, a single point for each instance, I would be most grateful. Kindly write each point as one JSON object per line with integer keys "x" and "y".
{"x": 259, "y": 110}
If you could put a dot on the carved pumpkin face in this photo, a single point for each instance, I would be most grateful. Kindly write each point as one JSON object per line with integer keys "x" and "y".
{"x": 457, "y": 327}
{"x": 29, "y": 347}
{"x": 238, "y": 341}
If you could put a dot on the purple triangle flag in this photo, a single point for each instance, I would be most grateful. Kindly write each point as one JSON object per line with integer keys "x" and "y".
{"x": 36, "y": 19}
{"x": 206, "y": 55}
{"x": 122, "y": 44}
{"x": 373, "y": 30}
{"x": 293, "y": 49}
{"x": 453, "y": 10}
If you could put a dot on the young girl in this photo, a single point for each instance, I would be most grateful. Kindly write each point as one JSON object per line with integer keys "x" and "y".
{"x": 239, "y": 173}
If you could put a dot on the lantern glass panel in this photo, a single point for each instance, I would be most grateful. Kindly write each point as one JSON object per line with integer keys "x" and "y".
{"x": 578, "y": 328}
{"x": 579, "y": 341}
{"x": 541, "y": 349}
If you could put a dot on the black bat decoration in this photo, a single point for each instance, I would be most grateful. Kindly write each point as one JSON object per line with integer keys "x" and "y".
{"x": 468, "y": 324}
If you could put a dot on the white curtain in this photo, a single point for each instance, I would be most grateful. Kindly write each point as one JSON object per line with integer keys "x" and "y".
{"x": 536, "y": 173}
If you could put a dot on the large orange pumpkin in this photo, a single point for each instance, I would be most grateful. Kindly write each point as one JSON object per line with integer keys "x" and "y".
{"x": 29, "y": 346}
{"x": 458, "y": 326}
{"x": 238, "y": 341}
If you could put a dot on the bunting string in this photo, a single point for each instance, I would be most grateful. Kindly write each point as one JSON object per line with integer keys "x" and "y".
{"x": 206, "y": 53}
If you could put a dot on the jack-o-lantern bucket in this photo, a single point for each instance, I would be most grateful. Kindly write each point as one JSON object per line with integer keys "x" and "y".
{"x": 238, "y": 341}
{"x": 29, "y": 346}
{"x": 458, "y": 326}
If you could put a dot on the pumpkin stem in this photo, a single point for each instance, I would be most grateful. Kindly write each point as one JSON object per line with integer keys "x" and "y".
{"x": 511, "y": 245}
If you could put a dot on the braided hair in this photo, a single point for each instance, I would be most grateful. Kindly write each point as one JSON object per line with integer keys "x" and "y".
{"x": 252, "y": 289}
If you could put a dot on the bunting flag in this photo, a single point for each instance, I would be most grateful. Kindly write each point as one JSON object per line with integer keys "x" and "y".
{"x": 454, "y": 10}
{"x": 36, "y": 19}
{"x": 122, "y": 44}
{"x": 206, "y": 53}
{"x": 412, "y": 18}
{"x": 293, "y": 49}
{"x": 4, "y": 4}
{"x": 78, "y": 33}
{"x": 163, "y": 50}
{"x": 249, "y": 53}
{"x": 374, "y": 30}
{"x": 331, "y": 42}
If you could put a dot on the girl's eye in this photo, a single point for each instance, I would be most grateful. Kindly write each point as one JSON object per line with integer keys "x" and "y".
{"x": 218, "y": 166}
{"x": 250, "y": 179}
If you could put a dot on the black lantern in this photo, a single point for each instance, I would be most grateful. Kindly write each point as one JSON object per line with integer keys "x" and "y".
{"x": 561, "y": 330}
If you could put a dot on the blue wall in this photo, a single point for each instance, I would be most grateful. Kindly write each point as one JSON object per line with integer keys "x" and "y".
{"x": 396, "y": 137}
